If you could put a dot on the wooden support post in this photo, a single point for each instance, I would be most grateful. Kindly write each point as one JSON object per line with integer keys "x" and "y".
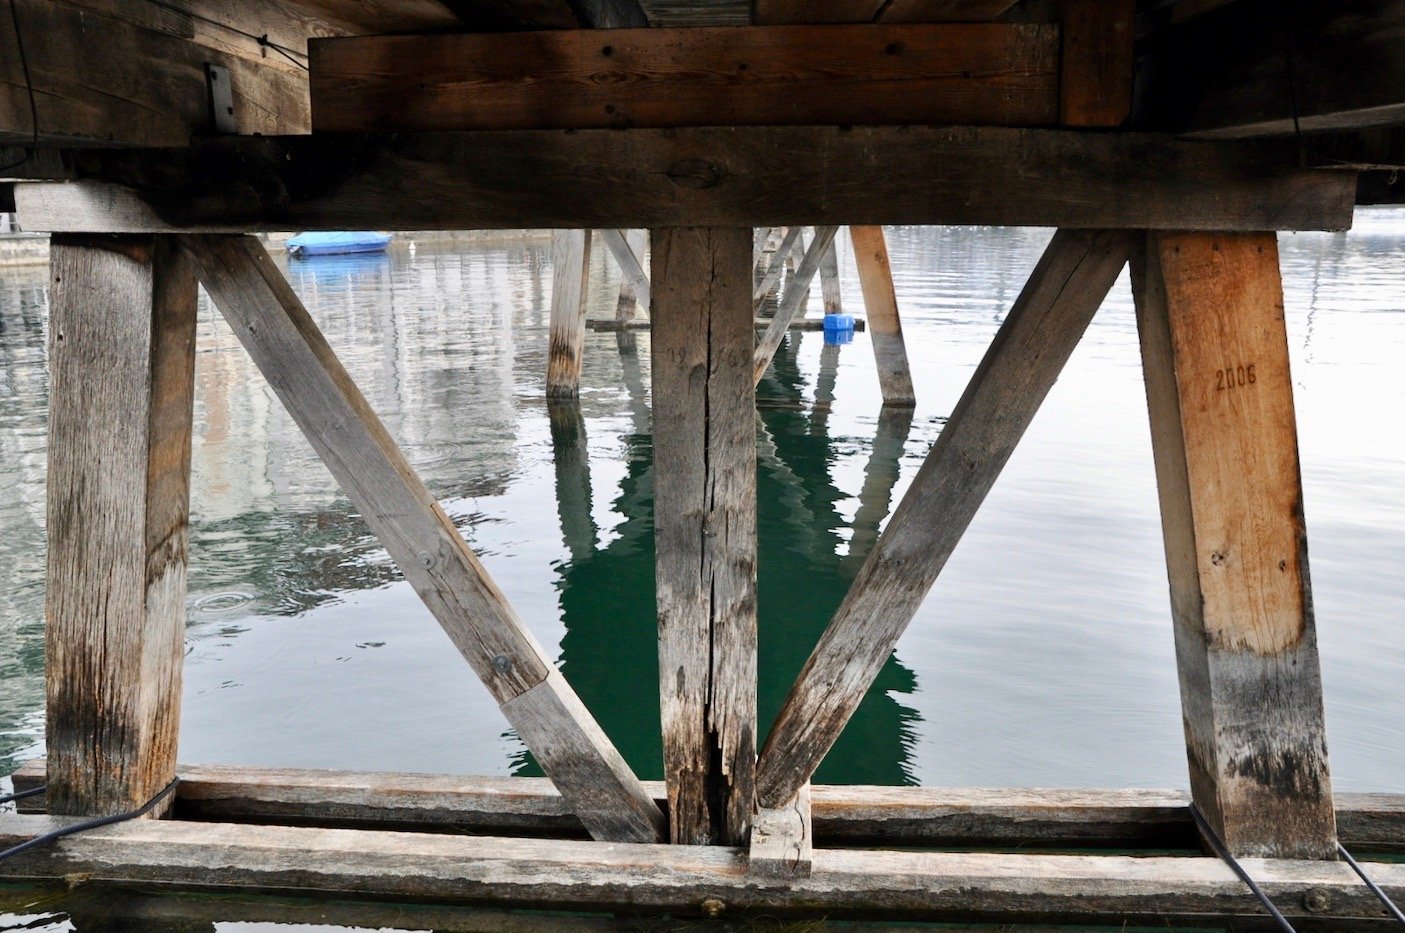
{"x": 121, "y": 362}
{"x": 885, "y": 328}
{"x": 294, "y": 357}
{"x": 796, "y": 291}
{"x": 1020, "y": 367}
{"x": 634, "y": 291}
{"x": 570, "y": 272}
{"x": 1097, "y": 67}
{"x": 783, "y": 840}
{"x": 829, "y": 281}
{"x": 1215, "y": 352}
{"x": 705, "y": 528}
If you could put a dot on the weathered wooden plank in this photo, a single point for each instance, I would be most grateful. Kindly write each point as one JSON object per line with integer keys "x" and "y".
{"x": 1095, "y": 85}
{"x": 993, "y": 74}
{"x": 829, "y": 281}
{"x": 99, "y": 79}
{"x": 783, "y": 840}
{"x": 610, "y": 14}
{"x": 1215, "y": 356}
{"x": 797, "y": 291}
{"x": 775, "y": 267}
{"x": 293, "y": 356}
{"x": 627, "y": 247}
{"x": 1332, "y": 66}
{"x": 121, "y": 363}
{"x": 705, "y": 528}
{"x": 789, "y": 12}
{"x": 813, "y": 324}
{"x": 881, "y": 307}
{"x": 570, "y": 273}
{"x": 944, "y": 11}
{"x": 742, "y": 176}
{"x": 843, "y": 814}
{"x": 779, "y": 12}
{"x": 1030, "y": 349}
{"x": 582, "y": 875}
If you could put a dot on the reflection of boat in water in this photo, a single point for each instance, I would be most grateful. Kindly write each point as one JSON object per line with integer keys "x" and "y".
{"x": 337, "y": 243}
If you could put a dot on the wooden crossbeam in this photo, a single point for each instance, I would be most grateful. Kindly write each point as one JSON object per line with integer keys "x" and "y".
{"x": 774, "y": 12}
{"x": 582, "y": 875}
{"x": 792, "y": 302}
{"x": 122, "y": 364}
{"x": 1215, "y": 356}
{"x": 705, "y": 528}
{"x": 743, "y": 176}
{"x": 288, "y": 349}
{"x": 1028, "y": 352}
{"x": 994, "y": 74}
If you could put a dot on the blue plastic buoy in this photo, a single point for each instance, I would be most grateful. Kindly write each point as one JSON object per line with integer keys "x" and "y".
{"x": 838, "y": 329}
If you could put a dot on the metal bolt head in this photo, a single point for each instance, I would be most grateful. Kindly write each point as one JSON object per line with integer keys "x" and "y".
{"x": 502, "y": 664}
{"x": 426, "y": 559}
{"x": 713, "y": 907}
{"x": 1317, "y": 900}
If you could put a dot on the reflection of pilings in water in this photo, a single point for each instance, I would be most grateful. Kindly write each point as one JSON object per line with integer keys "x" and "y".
{"x": 880, "y": 478}
{"x": 824, "y": 389}
{"x": 568, "y": 444}
{"x": 628, "y": 344}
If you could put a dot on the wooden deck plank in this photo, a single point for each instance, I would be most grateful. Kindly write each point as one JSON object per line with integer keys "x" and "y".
{"x": 742, "y": 176}
{"x": 320, "y": 395}
{"x": 1024, "y": 360}
{"x": 993, "y": 74}
{"x": 567, "y": 874}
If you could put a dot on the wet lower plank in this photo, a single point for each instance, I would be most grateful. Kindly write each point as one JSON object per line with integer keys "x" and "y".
{"x": 852, "y": 815}
{"x": 635, "y": 877}
{"x": 813, "y": 324}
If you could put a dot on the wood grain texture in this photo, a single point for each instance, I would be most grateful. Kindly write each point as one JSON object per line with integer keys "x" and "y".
{"x": 992, "y": 74}
{"x": 742, "y": 176}
{"x": 783, "y": 839}
{"x": 944, "y": 11}
{"x": 1215, "y": 357}
{"x": 575, "y": 875}
{"x": 761, "y": 324}
{"x": 1095, "y": 84}
{"x": 705, "y": 528}
{"x": 829, "y": 281}
{"x": 628, "y": 249}
{"x": 797, "y": 292}
{"x": 98, "y": 79}
{"x": 774, "y": 269}
{"x": 1336, "y": 66}
{"x": 881, "y": 309}
{"x": 1028, "y": 352}
{"x": 843, "y": 814}
{"x": 570, "y": 273}
{"x": 319, "y": 394}
{"x": 121, "y": 363}
{"x": 779, "y": 12}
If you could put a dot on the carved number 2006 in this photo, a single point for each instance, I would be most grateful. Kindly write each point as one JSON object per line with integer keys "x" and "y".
{"x": 1232, "y": 377}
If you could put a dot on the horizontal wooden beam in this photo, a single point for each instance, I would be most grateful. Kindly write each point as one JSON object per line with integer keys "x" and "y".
{"x": 811, "y": 324}
{"x": 843, "y": 814}
{"x": 742, "y": 176}
{"x": 98, "y": 79}
{"x": 975, "y": 73}
{"x": 581, "y": 875}
{"x": 773, "y": 12}
{"x": 1249, "y": 68}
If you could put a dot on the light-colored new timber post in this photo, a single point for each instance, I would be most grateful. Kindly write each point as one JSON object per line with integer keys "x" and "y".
{"x": 287, "y": 347}
{"x": 570, "y": 271}
{"x": 1215, "y": 355}
{"x": 885, "y": 329}
{"x": 121, "y": 363}
{"x": 1025, "y": 358}
{"x": 705, "y": 528}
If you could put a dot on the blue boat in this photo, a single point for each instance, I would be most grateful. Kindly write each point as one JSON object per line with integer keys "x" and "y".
{"x": 332, "y": 243}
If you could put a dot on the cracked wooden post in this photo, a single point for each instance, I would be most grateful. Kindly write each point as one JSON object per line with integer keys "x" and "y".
{"x": 885, "y": 329}
{"x": 783, "y": 840}
{"x": 286, "y": 346}
{"x": 1024, "y": 359}
{"x": 705, "y": 528}
{"x": 570, "y": 272}
{"x": 1215, "y": 355}
{"x": 121, "y": 358}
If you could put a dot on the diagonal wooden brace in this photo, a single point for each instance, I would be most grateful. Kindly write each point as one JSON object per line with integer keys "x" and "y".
{"x": 1028, "y": 352}
{"x": 797, "y": 289}
{"x": 293, "y": 356}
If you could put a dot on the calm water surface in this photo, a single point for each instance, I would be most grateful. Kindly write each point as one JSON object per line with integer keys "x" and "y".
{"x": 1042, "y": 657}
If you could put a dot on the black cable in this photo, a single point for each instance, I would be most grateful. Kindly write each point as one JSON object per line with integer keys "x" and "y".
{"x": 262, "y": 40}
{"x": 21, "y": 794}
{"x": 1229, "y": 860}
{"x": 47, "y": 838}
{"x": 29, "y": 86}
{"x": 1375, "y": 888}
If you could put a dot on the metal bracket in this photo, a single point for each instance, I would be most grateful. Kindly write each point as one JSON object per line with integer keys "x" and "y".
{"x": 221, "y": 100}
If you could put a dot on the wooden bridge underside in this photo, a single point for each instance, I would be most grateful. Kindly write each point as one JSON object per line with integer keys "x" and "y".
{"x": 1091, "y": 117}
